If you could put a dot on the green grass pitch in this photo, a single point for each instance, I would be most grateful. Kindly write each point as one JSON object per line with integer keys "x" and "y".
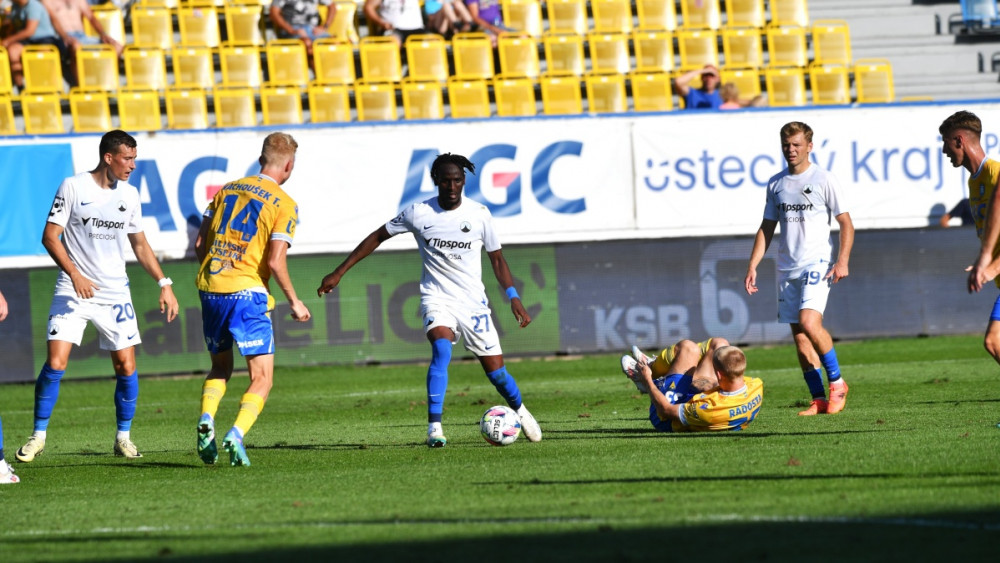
{"x": 910, "y": 471}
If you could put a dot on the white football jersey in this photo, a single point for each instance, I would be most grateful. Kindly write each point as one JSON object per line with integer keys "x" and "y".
{"x": 96, "y": 224}
{"x": 450, "y": 243}
{"x": 804, "y": 206}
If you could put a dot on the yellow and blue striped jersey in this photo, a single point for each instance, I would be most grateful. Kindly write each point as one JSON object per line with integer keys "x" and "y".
{"x": 719, "y": 410}
{"x": 245, "y": 216}
{"x": 981, "y": 187}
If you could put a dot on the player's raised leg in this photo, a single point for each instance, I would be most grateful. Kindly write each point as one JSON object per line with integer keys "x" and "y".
{"x": 505, "y": 384}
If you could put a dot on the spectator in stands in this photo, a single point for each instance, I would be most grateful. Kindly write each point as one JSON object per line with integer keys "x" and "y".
{"x": 705, "y": 97}
{"x": 730, "y": 95}
{"x": 961, "y": 210}
{"x": 447, "y": 17}
{"x": 67, "y": 19}
{"x": 299, "y": 19}
{"x": 488, "y": 17}
{"x": 29, "y": 23}
{"x": 398, "y": 19}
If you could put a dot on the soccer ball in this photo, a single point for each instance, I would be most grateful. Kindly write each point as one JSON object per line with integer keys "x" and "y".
{"x": 500, "y": 425}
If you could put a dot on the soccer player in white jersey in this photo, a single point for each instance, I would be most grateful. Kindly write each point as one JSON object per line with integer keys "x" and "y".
{"x": 804, "y": 198}
{"x": 92, "y": 215}
{"x": 450, "y": 233}
{"x": 7, "y": 476}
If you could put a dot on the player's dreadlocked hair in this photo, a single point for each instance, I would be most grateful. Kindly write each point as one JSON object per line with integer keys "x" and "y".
{"x": 448, "y": 158}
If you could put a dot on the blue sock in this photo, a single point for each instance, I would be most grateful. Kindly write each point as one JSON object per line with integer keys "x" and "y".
{"x": 831, "y": 365}
{"x": 505, "y": 384}
{"x": 126, "y": 393}
{"x": 437, "y": 378}
{"x": 814, "y": 379}
{"x": 46, "y": 395}
{"x": 1, "y": 440}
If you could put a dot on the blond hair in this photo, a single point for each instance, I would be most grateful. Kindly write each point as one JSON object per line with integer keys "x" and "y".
{"x": 729, "y": 92}
{"x": 730, "y": 360}
{"x": 795, "y": 127}
{"x": 278, "y": 148}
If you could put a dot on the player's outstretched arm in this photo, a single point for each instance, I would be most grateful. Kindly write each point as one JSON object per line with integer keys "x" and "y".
{"x": 761, "y": 242}
{"x": 52, "y": 241}
{"x": 502, "y": 272}
{"x": 278, "y": 262}
{"x": 364, "y": 248}
{"x": 147, "y": 259}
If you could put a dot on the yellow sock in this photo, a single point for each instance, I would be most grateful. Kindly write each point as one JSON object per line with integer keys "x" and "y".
{"x": 211, "y": 395}
{"x": 250, "y": 406}
{"x": 661, "y": 363}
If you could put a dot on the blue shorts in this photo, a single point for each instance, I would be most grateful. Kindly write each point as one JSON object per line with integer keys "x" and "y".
{"x": 995, "y": 313}
{"x": 241, "y": 317}
{"x": 677, "y": 388}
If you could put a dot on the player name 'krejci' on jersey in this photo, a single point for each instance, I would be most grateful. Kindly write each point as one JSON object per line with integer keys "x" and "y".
{"x": 448, "y": 244}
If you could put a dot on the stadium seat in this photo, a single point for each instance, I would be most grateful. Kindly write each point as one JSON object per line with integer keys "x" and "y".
{"x": 91, "y": 111}
{"x": 427, "y": 57}
{"x": 240, "y": 65}
{"x": 287, "y": 62}
{"x": 656, "y": 15}
{"x": 697, "y": 48}
{"x": 612, "y": 16}
{"x": 152, "y": 26}
{"x": 829, "y": 84}
{"x": 8, "y": 125}
{"x": 193, "y": 67}
{"x": 567, "y": 16}
{"x": 145, "y": 67}
{"x": 333, "y": 61}
{"x": 280, "y": 104}
{"x": 139, "y": 110}
{"x": 515, "y": 96}
{"x": 97, "y": 67}
{"x": 873, "y": 81}
{"x": 831, "y": 41}
{"x": 6, "y": 83}
{"x": 234, "y": 106}
{"x": 745, "y": 13}
{"x": 111, "y": 20}
{"x": 468, "y": 97}
{"x": 786, "y": 46}
{"x": 524, "y": 16}
{"x": 700, "y": 14}
{"x": 329, "y": 103}
{"x": 747, "y": 81}
{"x": 345, "y": 23}
{"x": 786, "y": 86}
{"x": 473, "y": 54}
{"x": 380, "y": 60}
{"x": 564, "y": 54}
{"x": 244, "y": 22}
{"x": 741, "y": 47}
{"x": 518, "y": 55}
{"x": 654, "y": 50}
{"x": 789, "y": 12}
{"x": 422, "y": 99}
{"x": 198, "y": 24}
{"x": 608, "y": 52}
{"x": 42, "y": 69}
{"x": 561, "y": 95}
{"x": 375, "y": 101}
{"x": 187, "y": 108}
{"x": 42, "y": 113}
{"x": 606, "y": 93}
{"x": 651, "y": 91}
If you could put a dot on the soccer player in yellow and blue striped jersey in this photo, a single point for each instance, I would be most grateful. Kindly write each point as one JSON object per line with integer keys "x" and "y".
{"x": 243, "y": 241}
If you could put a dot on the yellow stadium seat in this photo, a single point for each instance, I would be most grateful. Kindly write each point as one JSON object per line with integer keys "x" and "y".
{"x": 873, "y": 81}
{"x": 97, "y": 67}
{"x": 380, "y": 60}
{"x": 524, "y": 16}
{"x": 422, "y": 99}
{"x": 786, "y": 46}
{"x": 786, "y": 86}
{"x": 651, "y": 91}
{"x": 333, "y": 61}
{"x": 110, "y": 18}
{"x": 606, "y": 93}
{"x": 280, "y": 104}
{"x": 656, "y": 15}
{"x": 375, "y": 101}
{"x": 518, "y": 55}
{"x": 145, "y": 67}
{"x": 829, "y": 84}
{"x": 8, "y": 126}
{"x": 152, "y": 26}
{"x": 187, "y": 108}
{"x": 6, "y": 84}
{"x": 612, "y": 16}
{"x": 564, "y": 53}
{"x": 789, "y": 12}
{"x": 700, "y": 14}
{"x": 244, "y": 22}
{"x": 42, "y": 69}
{"x": 329, "y": 103}
{"x": 567, "y": 16}
{"x": 42, "y": 113}
{"x": 468, "y": 97}
{"x": 473, "y": 54}
{"x": 608, "y": 52}
{"x": 515, "y": 96}
{"x": 234, "y": 106}
{"x": 741, "y": 47}
{"x": 697, "y": 48}
{"x": 747, "y": 81}
{"x": 139, "y": 110}
{"x": 344, "y": 25}
{"x": 91, "y": 111}
{"x": 198, "y": 24}
{"x": 240, "y": 65}
{"x": 193, "y": 67}
{"x": 831, "y": 41}
{"x": 654, "y": 50}
{"x": 427, "y": 57}
{"x": 561, "y": 95}
{"x": 745, "y": 13}
{"x": 287, "y": 62}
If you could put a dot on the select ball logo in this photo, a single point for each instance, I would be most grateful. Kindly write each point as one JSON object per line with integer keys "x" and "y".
{"x": 500, "y": 426}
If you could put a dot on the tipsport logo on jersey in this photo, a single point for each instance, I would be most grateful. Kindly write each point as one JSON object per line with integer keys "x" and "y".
{"x": 510, "y": 178}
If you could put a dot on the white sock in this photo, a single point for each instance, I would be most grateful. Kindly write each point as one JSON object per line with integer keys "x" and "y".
{"x": 39, "y": 434}
{"x": 123, "y": 435}
{"x": 434, "y": 428}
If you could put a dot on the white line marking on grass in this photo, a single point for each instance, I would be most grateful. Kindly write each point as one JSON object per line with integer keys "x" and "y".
{"x": 888, "y": 521}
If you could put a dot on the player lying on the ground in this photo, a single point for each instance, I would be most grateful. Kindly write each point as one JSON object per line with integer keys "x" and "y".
{"x": 702, "y": 387}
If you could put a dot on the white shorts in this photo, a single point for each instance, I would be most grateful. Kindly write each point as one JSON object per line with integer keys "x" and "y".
{"x": 476, "y": 325}
{"x": 116, "y": 325}
{"x": 806, "y": 291}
